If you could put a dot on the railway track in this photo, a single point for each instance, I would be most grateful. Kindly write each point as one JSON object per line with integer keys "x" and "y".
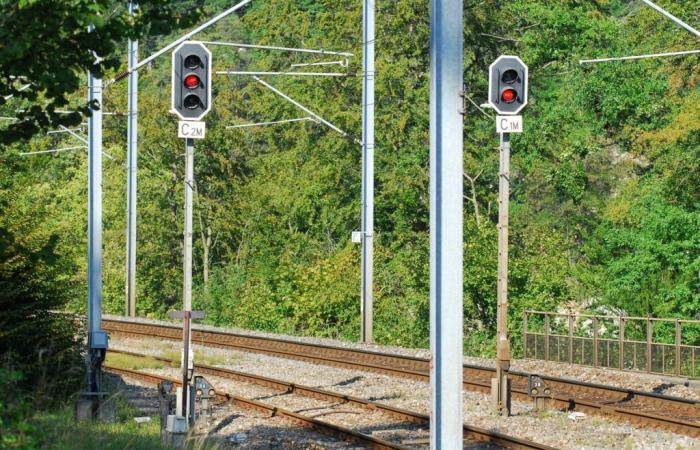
{"x": 471, "y": 434}
{"x": 641, "y": 408}
{"x": 310, "y": 423}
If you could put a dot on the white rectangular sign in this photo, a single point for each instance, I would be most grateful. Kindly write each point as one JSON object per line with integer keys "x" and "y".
{"x": 190, "y": 129}
{"x": 509, "y": 124}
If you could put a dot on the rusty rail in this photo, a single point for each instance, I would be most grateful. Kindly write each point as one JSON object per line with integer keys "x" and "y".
{"x": 336, "y": 431}
{"x": 471, "y": 433}
{"x": 655, "y": 410}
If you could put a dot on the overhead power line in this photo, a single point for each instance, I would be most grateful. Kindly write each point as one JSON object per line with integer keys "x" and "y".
{"x": 275, "y": 122}
{"x": 300, "y": 106}
{"x": 273, "y": 47}
{"x": 628, "y": 58}
{"x": 292, "y": 74}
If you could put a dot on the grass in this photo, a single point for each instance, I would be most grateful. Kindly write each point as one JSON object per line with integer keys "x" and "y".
{"x": 133, "y": 362}
{"x": 199, "y": 358}
{"x": 60, "y": 431}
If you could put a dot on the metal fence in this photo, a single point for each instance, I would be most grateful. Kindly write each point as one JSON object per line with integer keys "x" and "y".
{"x": 662, "y": 346}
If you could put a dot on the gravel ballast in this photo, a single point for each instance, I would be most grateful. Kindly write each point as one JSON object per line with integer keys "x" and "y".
{"x": 551, "y": 428}
{"x": 611, "y": 377}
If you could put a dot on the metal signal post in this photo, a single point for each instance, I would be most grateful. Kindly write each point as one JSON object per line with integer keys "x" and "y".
{"x": 501, "y": 384}
{"x": 508, "y": 86}
{"x": 191, "y": 101}
{"x": 187, "y": 247}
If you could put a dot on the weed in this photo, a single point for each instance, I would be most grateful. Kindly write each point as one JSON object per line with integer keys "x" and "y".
{"x": 133, "y": 362}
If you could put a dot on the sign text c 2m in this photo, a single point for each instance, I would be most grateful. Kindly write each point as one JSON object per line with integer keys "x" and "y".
{"x": 191, "y": 130}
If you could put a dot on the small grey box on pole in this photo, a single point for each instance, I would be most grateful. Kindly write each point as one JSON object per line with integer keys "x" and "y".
{"x": 508, "y": 83}
{"x": 446, "y": 224}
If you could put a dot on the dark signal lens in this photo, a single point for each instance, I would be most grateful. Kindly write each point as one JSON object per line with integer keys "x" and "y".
{"x": 510, "y": 76}
{"x": 509, "y": 95}
{"x": 191, "y": 102}
{"x": 193, "y": 62}
{"x": 191, "y": 81}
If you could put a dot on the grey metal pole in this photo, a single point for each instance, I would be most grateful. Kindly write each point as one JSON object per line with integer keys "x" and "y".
{"x": 132, "y": 168}
{"x": 367, "y": 283}
{"x": 187, "y": 256}
{"x": 94, "y": 233}
{"x": 446, "y": 222}
{"x": 502, "y": 343}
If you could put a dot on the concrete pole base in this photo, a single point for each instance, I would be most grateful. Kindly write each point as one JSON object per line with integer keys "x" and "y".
{"x": 501, "y": 398}
{"x": 175, "y": 433}
{"x": 95, "y": 406}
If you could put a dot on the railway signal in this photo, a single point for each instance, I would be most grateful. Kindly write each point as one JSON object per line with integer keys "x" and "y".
{"x": 508, "y": 85}
{"x": 191, "y": 101}
{"x": 191, "y": 81}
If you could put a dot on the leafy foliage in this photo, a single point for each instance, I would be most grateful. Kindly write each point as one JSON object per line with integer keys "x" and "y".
{"x": 604, "y": 197}
{"x": 43, "y": 61}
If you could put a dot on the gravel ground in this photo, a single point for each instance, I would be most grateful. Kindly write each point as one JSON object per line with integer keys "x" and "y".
{"x": 372, "y": 423}
{"x": 230, "y": 427}
{"x": 237, "y": 428}
{"x": 552, "y": 428}
{"x": 611, "y": 377}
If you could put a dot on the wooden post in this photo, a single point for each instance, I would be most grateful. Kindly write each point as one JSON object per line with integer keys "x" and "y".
{"x": 185, "y": 365}
{"x": 663, "y": 358}
{"x": 621, "y": 345}
{"x": 595, "y": 342}
{"x": 525, "y": 334}
{"x": 571, "y": 339}
{"x": 546, "y": 337}
{"x": 187, "y": 370}
{"x": 678, "y": 347}
{"x": 692, "y": 360}
{"x": 650, "y": 330}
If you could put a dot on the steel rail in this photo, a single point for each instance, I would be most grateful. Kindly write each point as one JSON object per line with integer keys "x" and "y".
{"x": 470, "y": 432}
{"x": 671, "y": 413}
{"x": 337, "y": 431}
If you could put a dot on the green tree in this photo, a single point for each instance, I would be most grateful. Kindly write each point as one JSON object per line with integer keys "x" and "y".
{"x": 44, "y": 61}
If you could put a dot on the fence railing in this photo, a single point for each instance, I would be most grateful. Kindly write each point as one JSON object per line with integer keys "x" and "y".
{"x": 662, "y": 346}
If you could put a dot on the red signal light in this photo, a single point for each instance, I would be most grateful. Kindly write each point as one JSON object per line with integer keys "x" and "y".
{"x": 509, "y": 95}
{"x": 191, "y": 81}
